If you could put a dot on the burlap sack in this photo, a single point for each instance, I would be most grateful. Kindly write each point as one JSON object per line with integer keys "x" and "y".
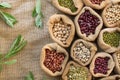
{"x": 78, "y": 4}
{"x": 67, "y": 21}
{"x": 53, "y": 46}
{"x": 64, "y": 75}
{"x": 117, "y": 64}
{"x": 114, "y": 77}
{"x": 89, "y": 45}
{"x": 103, "y": 45}
{"x": 96, "y": 6}
{"x": 104, "y": 13}
{"x": 28, "y": 59}
{"x": 91, "y": 37}
{"x": 111, "y": 64}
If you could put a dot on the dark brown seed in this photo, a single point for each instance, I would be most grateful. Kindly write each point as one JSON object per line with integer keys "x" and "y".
{"x": 88, "y": 22}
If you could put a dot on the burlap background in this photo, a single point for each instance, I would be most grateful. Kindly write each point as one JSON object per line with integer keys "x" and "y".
{"x": 28, "y": 58}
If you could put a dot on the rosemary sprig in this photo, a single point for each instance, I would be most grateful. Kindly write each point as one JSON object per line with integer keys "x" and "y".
{"x": 8, "y": 18}
{"x": 17, "y": 45}
{"x": 37, "y": 13}
{"x": 5, "y": 5}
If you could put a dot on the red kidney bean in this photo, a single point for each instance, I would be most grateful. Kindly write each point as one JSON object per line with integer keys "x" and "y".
{"x": 88, "y": 22}
{"x": 53, "y": 60}
{"x": 101, "y": 65}
{"x": 97, "y": 1}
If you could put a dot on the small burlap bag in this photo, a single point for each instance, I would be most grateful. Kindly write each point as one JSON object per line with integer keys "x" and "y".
{"x": 96, "y": 6}
{"x": 89, "y": 46}
{"x": 103, "y": 45}
{"x": 114, "y": 77}
{"x": 58, "y": 34}
{"x": 116, "y": 57}
{"x": 72, "y": 63}
{"x": 105, "y": 11}
{"x": 110, "y": 65}
{"x": 77, "y": 3}
{"x": 53, "y": 46}
{"x": 90, "y": 37}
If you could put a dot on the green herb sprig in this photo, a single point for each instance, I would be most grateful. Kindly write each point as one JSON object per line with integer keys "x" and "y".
{"x": 8, "y": 18}
{"x": 37, "y": 13}
{"x": 5, "y": 5}
{"x": 30, "y": 76}
{"x": 17, "y": 45}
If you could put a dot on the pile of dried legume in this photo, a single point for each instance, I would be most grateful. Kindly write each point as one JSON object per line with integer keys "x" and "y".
{"x": 61, "y": 31}
{"x": 97, "y": 1}
{"x": 53, "y": 60}
{"x": 112, "y": 14}
{"x": 81, "y": 52}
{"x": 101, "y": 65}
{"x": 88, "y": 23}
{"x": 68, "y": 4}
{"x": 113, "y": 39}
{"x": 77, "y": 73}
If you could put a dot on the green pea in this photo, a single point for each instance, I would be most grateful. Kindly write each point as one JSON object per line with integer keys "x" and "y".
{"x": 112, "y": 39}
{"x": 68, "y": 4}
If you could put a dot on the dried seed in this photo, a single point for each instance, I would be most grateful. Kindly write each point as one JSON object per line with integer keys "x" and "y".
{"x": 53, "y": 60}
{"x": 112, "y": 14}
{"x": 68, "y": 4}
{"x": 88, "y": 22}
{"x": 81, "y": 52}
{"x": 113, "y": 39}
{"x": 60, "y": 31}
{"x": 77, "y": 73}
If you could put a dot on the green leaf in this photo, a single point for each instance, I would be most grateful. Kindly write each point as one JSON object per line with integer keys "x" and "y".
{"x": 41, "y": 14}
{"x": 10, "y": 62}
{"x": 17, "y": 45}
{"x": 5, "y": 5}
{"x": 34, "y": 13}
{"x": 38, "y": 21}
{"x": 37, "y": 13}
{"x": 8, "y": 18}
{"x": 15, "y": 51}
{"x": 30, "y": 76}
{"x": 16, "y": 42}
{"x": 38, "y": 6}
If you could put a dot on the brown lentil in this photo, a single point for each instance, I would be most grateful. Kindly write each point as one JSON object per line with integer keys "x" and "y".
{"x": 77, "y": 73}
{"x": 81, "y": 52}
{"x": 113, "y": 14}
{"x": 53, "y": 60}
{"x": 68, "y": 4}
{"x": 61, "y": 31}
{"x": 113, "y": 39}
